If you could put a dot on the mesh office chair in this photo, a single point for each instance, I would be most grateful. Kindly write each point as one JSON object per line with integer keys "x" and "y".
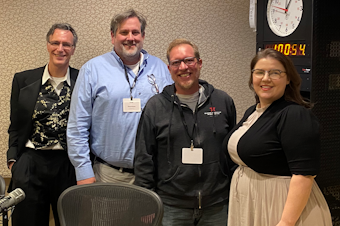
{"x": 109, "y": 204}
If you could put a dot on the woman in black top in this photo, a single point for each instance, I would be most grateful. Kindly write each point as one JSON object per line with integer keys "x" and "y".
{"x": 276, "y": 145}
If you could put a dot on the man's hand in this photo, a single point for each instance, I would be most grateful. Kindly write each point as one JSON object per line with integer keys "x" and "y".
{"x": 90, "y": 180}
{"x": 10, "y": 165}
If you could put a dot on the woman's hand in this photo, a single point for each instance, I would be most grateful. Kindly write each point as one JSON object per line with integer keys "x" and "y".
{"x": 298, "y": 194}
{"x": 281, "y": 223}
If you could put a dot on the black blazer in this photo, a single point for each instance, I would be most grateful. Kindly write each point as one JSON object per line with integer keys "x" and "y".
{"x": 25, "y": 90}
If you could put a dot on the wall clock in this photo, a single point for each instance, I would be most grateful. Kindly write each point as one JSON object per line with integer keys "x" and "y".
{"x": 284, "y": 16}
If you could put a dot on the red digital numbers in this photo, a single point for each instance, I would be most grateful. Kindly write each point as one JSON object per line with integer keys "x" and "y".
{"x": 289, "y": 49}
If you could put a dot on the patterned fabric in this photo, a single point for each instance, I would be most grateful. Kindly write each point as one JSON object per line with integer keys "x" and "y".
{"x": 50, "y": 116}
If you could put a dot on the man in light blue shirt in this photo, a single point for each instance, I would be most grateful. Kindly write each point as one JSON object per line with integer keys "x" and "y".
{"x": 110, "y": 93}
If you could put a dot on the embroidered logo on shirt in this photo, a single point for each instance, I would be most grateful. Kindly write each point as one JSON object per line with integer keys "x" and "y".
{"x": 212, "y": 112}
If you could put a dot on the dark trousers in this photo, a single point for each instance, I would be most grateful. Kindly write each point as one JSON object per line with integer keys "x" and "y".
{"x": 43, "y": 175}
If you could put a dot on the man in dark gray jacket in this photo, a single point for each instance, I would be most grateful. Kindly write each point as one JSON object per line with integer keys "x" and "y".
{"x": 179, "y": 150}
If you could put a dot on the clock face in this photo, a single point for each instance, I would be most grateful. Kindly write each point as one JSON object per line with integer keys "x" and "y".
{"x": 284, "y": 16}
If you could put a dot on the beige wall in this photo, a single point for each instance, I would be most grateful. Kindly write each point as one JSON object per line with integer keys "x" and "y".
{"x": 219, "y": 28}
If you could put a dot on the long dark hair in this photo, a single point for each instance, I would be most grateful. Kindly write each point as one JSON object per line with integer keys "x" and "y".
{"x": 292, "y": 91}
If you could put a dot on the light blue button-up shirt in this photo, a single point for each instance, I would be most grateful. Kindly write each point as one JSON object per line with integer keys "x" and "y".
{"x": 97, "y": 121}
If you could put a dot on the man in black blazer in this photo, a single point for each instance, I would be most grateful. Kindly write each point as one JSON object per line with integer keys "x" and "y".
{"x": 37, "y": 154}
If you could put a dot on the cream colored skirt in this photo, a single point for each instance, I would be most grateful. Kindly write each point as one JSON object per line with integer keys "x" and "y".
{"x": 258, "y": 200}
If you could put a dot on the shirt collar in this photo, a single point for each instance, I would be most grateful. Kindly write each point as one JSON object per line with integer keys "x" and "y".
{"x": 142, "y": 62}
{"x": 47, "y": 76}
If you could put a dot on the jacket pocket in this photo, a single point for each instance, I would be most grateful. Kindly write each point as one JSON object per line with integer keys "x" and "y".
{"x": 223, "y": 169}
{"x": 214, "y": 177}
{"x": 184, "y": 181}
{"x": 172, "y": 176}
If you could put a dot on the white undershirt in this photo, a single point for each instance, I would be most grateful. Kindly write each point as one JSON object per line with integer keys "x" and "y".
{"x": 56, "y": 82}
{"x": 135, "y": 67}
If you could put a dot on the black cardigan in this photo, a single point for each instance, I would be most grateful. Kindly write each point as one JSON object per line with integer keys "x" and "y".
{"x": 283, "y": 141}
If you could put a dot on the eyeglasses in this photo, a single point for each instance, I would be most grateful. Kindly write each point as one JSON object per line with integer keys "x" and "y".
{"x": 273, "y": 74}
{"x": 152, "y": 81}
{"x": 65, "y": 45}
{"x": 189, "y": 61}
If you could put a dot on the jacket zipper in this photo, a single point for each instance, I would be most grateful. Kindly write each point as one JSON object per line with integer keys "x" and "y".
{"x": 199, "y": 200}
{"x": 192, "y": 146}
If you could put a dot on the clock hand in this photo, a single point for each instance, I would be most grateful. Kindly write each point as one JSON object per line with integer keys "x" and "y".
{"x": 288, "y": 5}
{"x": 286, "y": 10}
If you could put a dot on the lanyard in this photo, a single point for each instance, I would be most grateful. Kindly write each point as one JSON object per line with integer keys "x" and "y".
{"x": 134, "y": 81}
{"x": 185, "y": 123}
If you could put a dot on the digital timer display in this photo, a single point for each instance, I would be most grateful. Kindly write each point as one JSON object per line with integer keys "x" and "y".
{"x": 289, "y": 49}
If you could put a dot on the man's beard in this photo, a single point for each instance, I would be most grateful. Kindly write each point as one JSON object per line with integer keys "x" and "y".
{"x": 130, "y": 53}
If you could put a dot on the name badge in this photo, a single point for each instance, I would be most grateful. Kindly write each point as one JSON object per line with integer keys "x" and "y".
{"x": 133, "y": 105}
{"x": 192, "y": 156}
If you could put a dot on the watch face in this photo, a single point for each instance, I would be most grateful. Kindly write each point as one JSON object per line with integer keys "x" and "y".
{"x": 284, "y": 16}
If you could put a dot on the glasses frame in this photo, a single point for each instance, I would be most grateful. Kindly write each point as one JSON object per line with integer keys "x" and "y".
{"x": 183, "y": 60}
{"x": 152, "y": 81}
{"x": 269, "y": 74}
{"x": 54, "y": 44}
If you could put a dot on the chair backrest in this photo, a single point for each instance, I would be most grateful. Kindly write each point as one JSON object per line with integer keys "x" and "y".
{"x": 2, "y": 187}
{"x": 109, "y": 204}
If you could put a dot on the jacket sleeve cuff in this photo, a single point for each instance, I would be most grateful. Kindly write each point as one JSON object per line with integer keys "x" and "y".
{"x": 12, "y": 153}
{"x": 84, "y": 172}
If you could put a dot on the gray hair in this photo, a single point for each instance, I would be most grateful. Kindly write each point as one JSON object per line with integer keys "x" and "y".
{"x": 118, "y": 19}
{"x": 62, "y": 26}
